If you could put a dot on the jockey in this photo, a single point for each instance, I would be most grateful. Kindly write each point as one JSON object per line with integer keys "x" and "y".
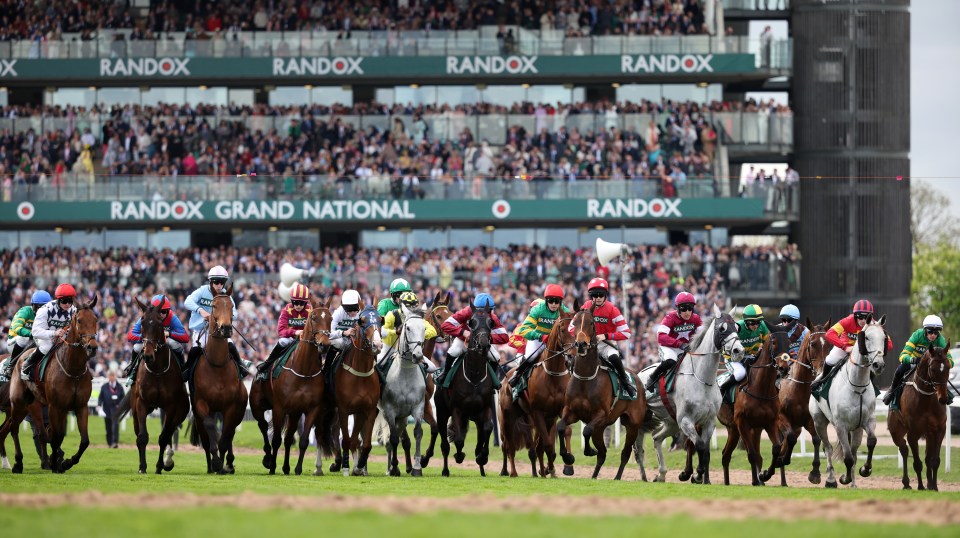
{"x": 50, "y": 325}
{"x": 344, "y": 323}
{"x": 293, "y": 318}
{"x": 796, "y": 331}
{"x": 456, "y": 326}
{"x": 199, "y": 303}
{"x": 176, "y": 335}
{"x": 753, "y": 332}
{"x": 927, "y": 336}
{"x": 393, "y": 326}
{"x": 389, "y": 304}
{"x": 20, "y": 336}
{"x": 674, "y": 334}
{"x": 610, "y": 326}
{"x": 843, "y": 335}
{"x": 536, "y": 328}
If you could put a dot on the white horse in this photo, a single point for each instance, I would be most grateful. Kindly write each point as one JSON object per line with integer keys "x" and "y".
{"x": 403, "y": 392}
{"x": 695, "y": 396}
{"x": 851, "y": 405}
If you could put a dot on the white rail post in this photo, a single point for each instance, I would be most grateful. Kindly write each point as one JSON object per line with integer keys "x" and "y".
{"x": 949, "y": 440}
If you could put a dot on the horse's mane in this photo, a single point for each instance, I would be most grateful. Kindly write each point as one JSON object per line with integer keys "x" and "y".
{"x": 701, "y": 334}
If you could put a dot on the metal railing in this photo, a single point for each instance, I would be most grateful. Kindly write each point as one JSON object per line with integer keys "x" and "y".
{"x": 757, "y": 5}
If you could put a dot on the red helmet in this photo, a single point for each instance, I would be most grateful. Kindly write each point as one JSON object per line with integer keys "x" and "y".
{"x": 156, "y": 302}
{"x": 862, "y": 306}
{"x": 299, "y": 292}
{"x": 65, "y": 290}
{"x": 598, "y": 284}
{"x": 553, "y": 290}
{"x": 684, "y": 298}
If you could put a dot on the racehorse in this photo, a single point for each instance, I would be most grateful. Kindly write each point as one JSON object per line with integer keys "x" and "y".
{"x": 795, "y": 399}
{"x": 756, "y": 408}
{"x": 438, "y": 312}
{"x": 695, "y": 396}
{"x": 470, "y": 396}
{"x": 159, "y": 384}
{"x": 67, "y": 387}
{"x": 922, "y": 414}
{"x": 217, "y": 388}
{"x": 297, "y": 391}
{"x": 851, "y": 404}
{"x": 403, "y": 392}
{"x": 590, "y": 397}
{"x": 542, "y": 403}
{"x": 356, "y": 392}
{"x": 35, "y": 410}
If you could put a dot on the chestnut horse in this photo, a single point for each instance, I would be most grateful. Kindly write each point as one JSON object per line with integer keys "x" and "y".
{"x": 590, "y": 398}
{"x": 67, "y": 385}
{"x": 158, "y": 385}
{"x": 35, "y": 410}
{"x": 217, "y": 388}
{"x": 795, "y": 397}
{"x": 922, "y": 414}
{"x": 756, "y": 408}
{"x": 298, "y": 390}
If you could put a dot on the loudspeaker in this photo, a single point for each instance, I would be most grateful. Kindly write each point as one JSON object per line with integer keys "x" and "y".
{"x": 290, "y": 274}
{"x": 284, "y": 291}
{"x": 607, "y": 251}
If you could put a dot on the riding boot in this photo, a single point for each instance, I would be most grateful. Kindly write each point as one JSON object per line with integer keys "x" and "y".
{"x": 823, "y": 375}
{"x": 617, "y": 362}
{"x": 522, "y": 368}
{"x": 130, "y": 372}
{"x": 731, "y": 381}
{"x": 192, "y": 357}
{"x": 29, "y": 363}
{"x": 15, "y": 352}
{"x": 274, "y": 355}
{"x": 235, "y": 355}
{"x": 897, "y": 380}
{"x": 447, "y": 362}
{"x": 329, "y": 357}
{"x": 662, "y": 369}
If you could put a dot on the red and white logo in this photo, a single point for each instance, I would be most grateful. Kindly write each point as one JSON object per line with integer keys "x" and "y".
{"x": 501, "y": 209}
{"x": 26, "y": 211}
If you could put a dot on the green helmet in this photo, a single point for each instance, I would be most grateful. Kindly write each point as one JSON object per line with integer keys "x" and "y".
{"x": 399, "y": 285}
{"x": 752, "y": 312}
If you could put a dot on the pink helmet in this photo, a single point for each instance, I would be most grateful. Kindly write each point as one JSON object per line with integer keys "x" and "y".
{"x": 684, "y": 298}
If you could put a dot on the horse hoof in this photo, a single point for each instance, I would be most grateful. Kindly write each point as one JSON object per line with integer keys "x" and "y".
{"x": 658, "y": 479}
{"x": 416, "y": 472}
{"x": 5, "y": 464}
{"x": 844, "y": 480}
{"x": 445, "y": 472}
{"x": 920, "y": 487}
{"x": 696, "y": 479}
{"x": 45, "y": 466}
{"x": 933, "y": 488}
{"x": 357, "y": 472}
{"x": 17, "y": 468}
{"x": 866, "y": 471}
{"x": 459, "y": 457}
{"x": 765, "y": 477}
{"x": 66, "y": 466}
{"x": 334, "y": 467}
{"x": 266, "y": 462}
{"x": 814, "y": 478}
{"x": 568, "y": 459}
{"x": 142, "y": 471}
{"x": 503, "y": 472}
{"x": 830, "y": 485}
{"x": 568, "y": 470}
{"x": 409, "y": 469}
{"x": 272, "y": 472}
{"x": 395, "y": 472}
{"x": 684, "y": 476}
{"x": 286, "y": 471}
{"x": 424, "y": 461}
{"x": 298, "y": 471}
{"x": 907, "y": 486}
{"x": 318, "y": 472}
{"x": 168, "y": 466}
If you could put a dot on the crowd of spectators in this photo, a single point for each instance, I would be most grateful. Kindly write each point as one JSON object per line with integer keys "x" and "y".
{"x": 514, "y": 276}
{"x": 49, "y": 19}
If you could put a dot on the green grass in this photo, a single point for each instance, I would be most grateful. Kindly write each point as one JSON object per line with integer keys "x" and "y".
{"x": 239, "y": 523}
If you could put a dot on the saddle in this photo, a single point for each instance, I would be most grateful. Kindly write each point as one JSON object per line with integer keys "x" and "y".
{"x": 451, "y": 371}
{"x": 264, "y": 375}
{"x": 823, "y": 393}
{"x": 729, "y": 396}
{"x": 619, "y": 393}
{"x": 667, "y": 381}
{"x": 383, "y": 367}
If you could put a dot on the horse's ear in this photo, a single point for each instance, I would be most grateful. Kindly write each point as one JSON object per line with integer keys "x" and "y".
{"x": 447, "y": 298}
{"x": 93, "y": 303}
{"x": 436, "y": 298}
{"x": 229, "y": 289}
{"x": 808, "y": 322}
{"x": 882, "y": 320}
{"x": 947, "y": 346}
{"x": 829, "y": 322}
{"x": 423, "y": 308}
{"x": 576, "y": 304}
{"x": 140, "y": 305}
{"x": 717, "y": 313}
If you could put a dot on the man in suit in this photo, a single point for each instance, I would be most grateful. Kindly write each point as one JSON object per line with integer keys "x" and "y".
{"x": 110, "y": 395}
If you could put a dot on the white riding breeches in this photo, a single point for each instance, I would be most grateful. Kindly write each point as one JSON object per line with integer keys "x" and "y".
{"x": 22, "y": 341}
{"x": 171, "y": 343}
{"x": 284, "y": 342}
{"x": 738, "y": 370}
{"x": 835, "y": 356}
{"x": 669, "y": 353}
{"x": 457, "y": 347}
{"x": 201, "y": 340}
{"x": 533, "y": 349}
{"x": 607, "y": 350}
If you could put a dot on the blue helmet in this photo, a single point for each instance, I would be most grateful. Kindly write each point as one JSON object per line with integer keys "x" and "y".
{"x": 790, "y": 311}
{"x": 483, "y": 300}
{"x": 40, "y": 297}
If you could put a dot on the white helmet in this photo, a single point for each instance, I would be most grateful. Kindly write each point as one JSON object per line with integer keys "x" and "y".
{"x": 217, "y": 271}
{"x": 350, "y": 298}
{"x": 933, "y": 321}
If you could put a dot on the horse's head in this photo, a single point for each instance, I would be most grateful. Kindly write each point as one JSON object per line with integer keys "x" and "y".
{"x": 725, "y": 337}
{"x": 815, "y": 347}
{"x": 221, "y": 315}
{"x": 560, "y": 335}
{"x": 584, "y": 332}
{"x": 368, "y": 337}
{"x": 871, "y": 346}
{"x": 151, "y": 329}
{"x": 83, "y": 327}
{"x": 414, "y": 333}
{"x": 934, "y": 369}
{"x": 481, "y": 327}
{"x": 317, "y": 329}
{"x": 438, "y": 312}
{"x": 778, "y": 348}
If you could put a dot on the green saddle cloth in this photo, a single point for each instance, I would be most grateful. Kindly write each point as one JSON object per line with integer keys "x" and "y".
{"x": 277, "y": 365}
{"x": 618, "y": 390}
{"x": 730, "y": 395}
{"x": 4, "y": 372}
{"x": 452, "y": 371}
{"x": 823, "y": 393}
{"x": 384, "y": 366}
{"x": 516, "y": 391}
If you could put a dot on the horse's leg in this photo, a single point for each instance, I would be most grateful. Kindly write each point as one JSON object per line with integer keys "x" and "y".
{"x": 594, "y": 429}
{"x": 39, "y": 433}
{"x": 140, "y": 413}
{"x": 658, "y": 438}
{"x": 485, "y": 427}
{"x": 733, "y": 438}
{"x": 639, "y": 453}
{"x": 12, "y": 426}
{"x": 279, "y": 420}
{"x": 687, "y": 471}
{"x": 344, "y": 419}
{"x": 543, "y": 436}
{"x": 294, "y": 423}
{"x": 418, "y": 438}
{"x": 751, "y": 441}
{"x": 849, "y": 459}
{"x": 260, "y": 415}
{"x": 871, "y": 429}
{"x": 814, "y": 476}
{"x": 83, "y": 417}
{"x": 405, "y": 444}
{"x": 435, "y": 424}
{"x": 776, "y": 457}
{"x": 689, "y": 429}
{"x": 460, "y": 425}
{"x": 369, "y": 420}
{"x": 211, "y": 444}
{"x": 304, "y": 445}
{"x": 631, "y": 438}
{"x": 232, "y": 418}
{"x": 913, "y": 439}
{"x": 932, "y": 457}
{"x": 566, "y": 417}
{"x": 896, "y": 428}
{"x": 393, "y": 442}
{"x": 820, "y": 426}
{"x": 443, "y": 418}
{"x": 58, "y": 428}
{"x": 173, "y": 416}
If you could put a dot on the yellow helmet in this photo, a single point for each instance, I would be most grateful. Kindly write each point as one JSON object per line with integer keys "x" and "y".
{"x": 410, "y": 299}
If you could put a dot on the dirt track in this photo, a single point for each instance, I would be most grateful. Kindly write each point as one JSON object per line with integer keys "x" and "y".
{"x": 931, "y": 512}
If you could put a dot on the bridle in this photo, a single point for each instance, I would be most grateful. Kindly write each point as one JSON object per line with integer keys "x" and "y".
{"x": 771, "y": 364}
{"x": 808, "y": 366}
{"x": 222, "y": 331}
{"x": 157, "y": 346}
{"x": 927, "y": 382}
{"x": 83, "y": 341}
{"x": 409, "y": 345}
{"x": 436, "y": 322}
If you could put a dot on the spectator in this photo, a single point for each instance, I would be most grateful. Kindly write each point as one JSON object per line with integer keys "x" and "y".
{"x": 111, "y": 393}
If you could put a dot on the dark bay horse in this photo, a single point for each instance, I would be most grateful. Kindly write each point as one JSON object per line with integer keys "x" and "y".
{"x": 298, "y": 391}
{"x": 795, "y": 399}
{"x": 590, "y": 398}
{"x": 470, "y": 397}
{"x": 923, "y": 414}
{"x": 755, "y": 410}
{"x": 158, "y": 385}
{"x": 217, "y": 388}
{"x": 35, "y": 410}
{"x": 67, "y": 386}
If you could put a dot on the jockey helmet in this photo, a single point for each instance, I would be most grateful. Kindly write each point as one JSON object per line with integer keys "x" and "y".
{"x": 350, "y": 300}
{"x": 598, "y": 284}
{"x": 752, "y": 312}
{"x": 299, "y": 292}
{"x": 40, "y": 297}
{"x": 156, "y": 301}
{"x": 932, "y": 322}
{"x": 217, "y": 273}
{"x": 790, "y": 311}
{"x": 684, "y": 298}
{"x": 553, "y": 290}
{"x": 65, "y": 290}
{"x": 398, "y": 286}
{"x": 410, "y": 299}
{"x": 483, "y": 300}
{"x": 863, "y": 306}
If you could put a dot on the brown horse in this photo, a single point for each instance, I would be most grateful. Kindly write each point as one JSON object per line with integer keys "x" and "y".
{"x": 299, "y": 390}
{"x": 541, "y": 404}
{"x": 35, "y": 410}
{"x": 67, "y": 386}
{"x": 923, "y": 414}
{"x": 756, "y": 408}
{"x": 356, "y": 392}
{"x": 590, "y": 398}
{"x": 217, "y": 388}
{"x": 158, "y": 385}
{"x": 795, "y": 400}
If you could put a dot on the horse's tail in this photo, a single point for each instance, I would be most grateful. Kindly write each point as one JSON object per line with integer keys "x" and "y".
{"x": 124, "y": 406}
{"x": 381, "y": 429}
{"x": 324, "y": 431}
{"x": 195, "y": 431}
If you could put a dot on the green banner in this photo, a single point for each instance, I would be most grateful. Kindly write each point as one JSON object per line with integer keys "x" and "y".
{"x": 379, "y": 212}
{"x": 360, "y": 67}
